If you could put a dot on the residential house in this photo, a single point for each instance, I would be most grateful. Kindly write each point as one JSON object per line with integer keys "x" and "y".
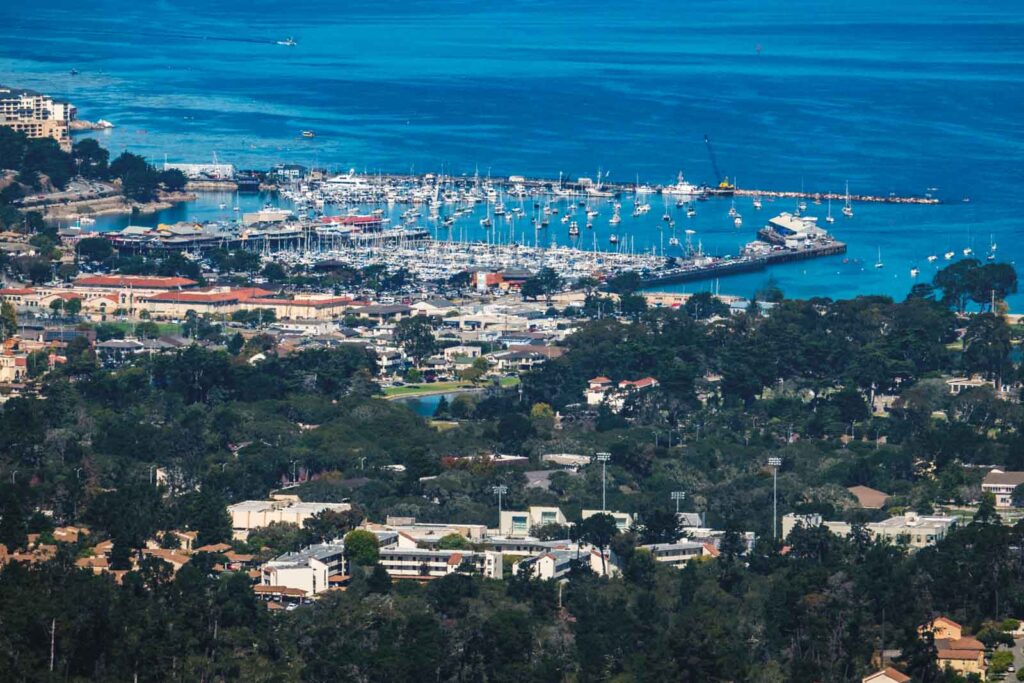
{"x": 886, "y": 675}
{"x": 1001, "y": 484}
{"x": 678, "y": 554}
{"x": 601, "y": 390}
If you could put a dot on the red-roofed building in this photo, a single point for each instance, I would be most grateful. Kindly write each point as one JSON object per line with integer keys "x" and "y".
{"x": 602, "y": 390}
{"x": 137, "y": 282}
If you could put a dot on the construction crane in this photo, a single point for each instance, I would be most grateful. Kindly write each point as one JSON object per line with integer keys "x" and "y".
{"x": 724, "y": 186}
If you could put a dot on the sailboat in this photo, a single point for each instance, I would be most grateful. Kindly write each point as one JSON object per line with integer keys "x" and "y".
{"x": 757, "y": 202}
{"x": 992, "y": 246}
{"x": 830, "y": 218}
{"x": 878, "y": 263}
{"x": 847, "y": 208}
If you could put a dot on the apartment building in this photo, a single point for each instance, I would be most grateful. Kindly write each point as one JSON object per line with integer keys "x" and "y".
{"x": 254, "y": 514}
{"x": 419, "y": 563}
{"x": 308, "y": 570}
{"x": 36, "y": 115}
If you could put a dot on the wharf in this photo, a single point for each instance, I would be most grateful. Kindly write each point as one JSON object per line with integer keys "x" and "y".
{"x": 714, "y": 268}
{"x": 881, "y": 199}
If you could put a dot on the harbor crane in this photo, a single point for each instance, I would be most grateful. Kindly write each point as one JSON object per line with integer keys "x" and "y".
{"x": 724, "y": 186}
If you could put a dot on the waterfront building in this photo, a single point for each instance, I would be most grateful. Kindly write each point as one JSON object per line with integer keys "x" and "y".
{"x": 212, "y": 171}
{"x": 36, "y": 115}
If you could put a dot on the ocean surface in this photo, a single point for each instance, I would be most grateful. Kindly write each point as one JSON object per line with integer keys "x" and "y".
{"x": 892, "y": 97}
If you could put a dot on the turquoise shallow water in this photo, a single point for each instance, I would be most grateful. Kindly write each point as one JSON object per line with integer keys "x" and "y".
{"x": 890, "y": 96}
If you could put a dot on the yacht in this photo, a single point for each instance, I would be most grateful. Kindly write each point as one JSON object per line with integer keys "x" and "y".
{"x": 933, "y": 258}
{"x": 288, "y": 42}
{"x": 848, "y": 208}
{"x": 914, "y": 272}
{"x": 613, "y": 238}
{"x": 738, "y": 221}
{"x": 949, "y": 255}
{"x": 308, "y": 134}
{"x": 574, "y": 229}
{"x": 757, "y": 203}
{"x": 878, "y": 263}
{"x": 681, "y": 188}
{"x": 690, "y": 211}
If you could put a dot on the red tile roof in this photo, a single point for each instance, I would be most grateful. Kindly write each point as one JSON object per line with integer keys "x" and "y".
{"x": 310, "y": 303}
{"x": 210, "y": 297}
{"x": 143, "y": 282}
{"x": 16, "y": 292}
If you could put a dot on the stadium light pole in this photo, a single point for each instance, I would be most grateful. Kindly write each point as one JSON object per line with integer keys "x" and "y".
{"x": 500, "y": 491}
{"x": 603, "y": 458}
{"x": 775, "y": 464}
{"x": 678, "y": 496}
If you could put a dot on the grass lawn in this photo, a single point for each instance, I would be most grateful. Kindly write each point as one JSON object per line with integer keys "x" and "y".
{"x": 166, "y": 329}
{"x": 414, "y": 389}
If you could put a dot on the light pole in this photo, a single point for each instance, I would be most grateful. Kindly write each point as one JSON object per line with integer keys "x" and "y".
{"x": 603, "y": 458}
{"x": 293, "y": 471}
{"x": 775, "y": 464}
{"x": 500, "y": 490}
{"x": 678, "y": 496}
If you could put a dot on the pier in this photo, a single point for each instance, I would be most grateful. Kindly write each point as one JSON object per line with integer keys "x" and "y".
{"x": 837, "y": 196}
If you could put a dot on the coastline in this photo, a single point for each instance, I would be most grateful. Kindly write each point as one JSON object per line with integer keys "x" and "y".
{"x": 109, "y": 206}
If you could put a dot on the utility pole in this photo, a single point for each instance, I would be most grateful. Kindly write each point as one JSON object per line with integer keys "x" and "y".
{"x": 603, "y": 458}
{"x": 499, "y": 490}
{"x": 775, "y": 464}
{"x": 678, "y": 496}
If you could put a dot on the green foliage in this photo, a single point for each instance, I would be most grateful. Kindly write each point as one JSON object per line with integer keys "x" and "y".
{"x": 8, "y": 320}
{"x": 94, "y": 249}
{"x": 91, "y": 159}
{"x": 415, "y": 335}
{"x": 361, "y": 547}
{"x": 453, "y": 542}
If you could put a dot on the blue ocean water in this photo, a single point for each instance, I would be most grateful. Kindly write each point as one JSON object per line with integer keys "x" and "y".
{"x": 893, "y": 97}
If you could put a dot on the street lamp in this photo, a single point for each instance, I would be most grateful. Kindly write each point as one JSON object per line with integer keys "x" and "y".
{"x": 678, "y": 496}
{"x": 603, "y": 458}
{"x": 499, "y": 490}
{"x": 775, "y": 464}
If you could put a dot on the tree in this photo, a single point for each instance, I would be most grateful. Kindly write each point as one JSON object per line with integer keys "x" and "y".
{"x": 361, "y": 547}
{"x": 379, "y": 581}
{"x": 91, "y": 159}
{"x": 57, "y": 305}
{"x": 987, "y": 346}
{"x": 8, "y": 320}
{"x": 147, "y": 329}
{"x": 94, "y": 249}
{"x": 173, "y": 180}
{"x": 453, "y": 542}
{"x": 73, "y": 307}
{"x": 274, "y": 272}
{"x": 415, "y": 334}
{"x": 956, "y": 282}
{"x": 139, "y": 179}
{"x": 599, "y": 530}
{"x": 703, "y": 305}
{"x": 1017, "y": 497}
{"x": 661, "y": 526}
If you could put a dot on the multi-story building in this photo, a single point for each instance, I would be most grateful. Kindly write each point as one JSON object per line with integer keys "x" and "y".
{"x": 254, "y": 514}
{"x": 519, "y": 523}
{"x": 1001, "y": 485}
{"x": 679, "y": 553}
{"x": 36, "y": 115}
{"x": 308, "y": 570}
{"x": 914, "y": 530}
{"x": 418, "y": 563}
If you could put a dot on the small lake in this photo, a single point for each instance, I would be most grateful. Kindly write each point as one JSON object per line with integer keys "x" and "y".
{"x": 424, "y": 406}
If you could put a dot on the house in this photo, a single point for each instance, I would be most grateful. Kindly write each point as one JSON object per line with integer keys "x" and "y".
{"x": 307, "y": 570}
{"x": 963, "y": 655}
{"x": 868, "y": 497}
{"x": 13, "y": 362}
{"x": 422, "y": 564}
{"x": 1001, "y": 484}
{"x": 254, "y": 514}
{"x": 433, "y": 307}
{"x": 601, "y": 390}
{"x": 886, "y": 675}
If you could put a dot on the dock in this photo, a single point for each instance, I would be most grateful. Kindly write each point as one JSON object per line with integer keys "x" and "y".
{"x": 837, "y": 196}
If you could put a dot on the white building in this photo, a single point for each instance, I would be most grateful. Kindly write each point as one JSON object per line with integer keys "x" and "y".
{"x": 519, "y": 523}
{"x": 914, "y": 530}
{"x": 308, "y": 570}
{"x": 603, "y": 390}
{"x": 554, "y": 564}
{"x": 419, "y": 563}
{"x": 1001, "y": 485}
{"x": 254, "y": 514}
{"x": 211, "y": 171}
{"x": 623, "y": 520}
{"x": 679, "y": 553}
